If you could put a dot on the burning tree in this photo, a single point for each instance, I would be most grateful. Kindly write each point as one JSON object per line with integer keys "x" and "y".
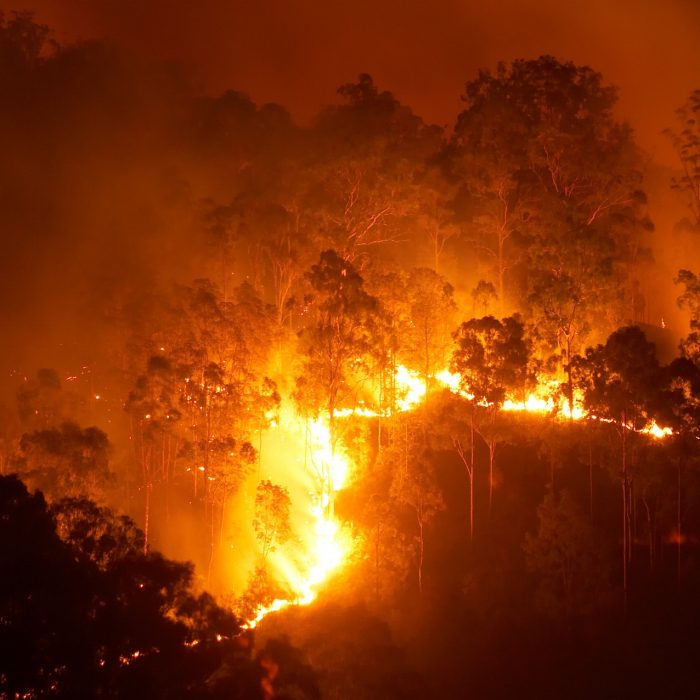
{"x": 271, "y": 524}
{"x": 336, "y": 344}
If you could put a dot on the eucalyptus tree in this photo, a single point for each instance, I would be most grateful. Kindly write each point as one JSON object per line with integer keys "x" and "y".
{"x": 492, "y": 359}
{"x": 687, "y": 145}
{"x": 618, "y": 381}
{"x": 337, "y": 344}
{"x": 549, "y": 179}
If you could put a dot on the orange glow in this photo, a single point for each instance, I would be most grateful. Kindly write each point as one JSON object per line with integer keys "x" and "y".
{"x": 326, "y": 546}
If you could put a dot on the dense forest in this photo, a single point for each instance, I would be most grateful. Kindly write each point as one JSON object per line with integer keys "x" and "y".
{"x": 420, "y": 404}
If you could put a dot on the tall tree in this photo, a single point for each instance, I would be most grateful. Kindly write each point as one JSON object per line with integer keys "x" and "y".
{"x": 426, "y": 340}
{"x": 415, "y": 487}
{"x": 492, "y": 358}
{"x": 271, "y": 523}
{"x": 567, "y": 556}
{"x": 66, "y": 461}
{"x": 373, "y": 149}
{"x": 687, "y": 145}
{"x": 618, "y": 381}
{"x": 542, "y": 161}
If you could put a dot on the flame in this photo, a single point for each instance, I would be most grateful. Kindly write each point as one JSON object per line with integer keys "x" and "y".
{"x": 655, "y": 430}
{"x": 327, "y": 545}
{"x": 410, "y": 387}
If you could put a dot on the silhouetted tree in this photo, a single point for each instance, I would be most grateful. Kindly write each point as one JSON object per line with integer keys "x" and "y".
{"x": 567, "y": 556}
{"x": 618, "y": 381}
{"x": 492, "y": 358}
{"x": 687, "y": 145}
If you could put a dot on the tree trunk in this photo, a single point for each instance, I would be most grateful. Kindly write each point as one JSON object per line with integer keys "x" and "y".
{"x": 625, "y": 521}
{"x": 650, "y": 533}
{"x": 147, "y": 517}
{"x": 492, "y": 456}
{"x": 470, "y": 473}
{"x": 590, "y": 480}
{"x": 421, "y": 551}
{"x": 678, "y": 528}
{"x": 471, "y": 478}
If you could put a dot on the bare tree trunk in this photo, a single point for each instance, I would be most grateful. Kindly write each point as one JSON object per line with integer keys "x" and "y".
{"x": 650, "y": 533}
{"x": 421, "y": 551}
{"x": 492, "y": 456}
{"x": 625, "y": 522}
{"x": 470, "y": 473}
{"x": 678, "y": 527}
{"x": 212, "y": 544}
{"x": 569, "y": 379}
{"x": 376, "y": 569}
{"x": 147, "y": 517}
{"x": 471, "y": 479}
{"x": 590, "y": 480}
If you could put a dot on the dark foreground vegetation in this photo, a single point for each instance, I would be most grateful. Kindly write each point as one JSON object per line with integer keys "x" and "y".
{"x": 183, "y": 272}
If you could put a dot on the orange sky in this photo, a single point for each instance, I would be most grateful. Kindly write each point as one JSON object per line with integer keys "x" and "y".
{"x": 297, "y": 52}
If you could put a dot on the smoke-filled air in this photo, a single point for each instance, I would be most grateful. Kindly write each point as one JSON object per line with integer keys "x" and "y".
{"x": 372, "y": 392}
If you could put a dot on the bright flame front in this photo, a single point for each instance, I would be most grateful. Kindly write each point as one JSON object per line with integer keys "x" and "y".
{"x": 326, "y": 470}
{"x": 321, "y": 544}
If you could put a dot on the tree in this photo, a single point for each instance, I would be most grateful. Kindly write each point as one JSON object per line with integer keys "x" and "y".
{"x": 483, "y": 295}
{"x": 127, "y": 624}
{"x": 689, "y": 300}
{"x": 679, "y": 408}
{"x": 618, "y": 381}
{"x": 155, "y": 409}
{"x": 66, "y": 461}
{"x": 426, "y": 340}
{"x": 337, "y": 343}
{"x": 24, "y": 47}
{"x": 202, "y": 399}
{"x": 567, "y": 556}
{"x": 687, "y": 145}
{"x": 492, "y": 359}
{"x": 415, "y": 487}
{"x": 549, "y": 179}
{"x": 561, "y": 319}
{"x": 271, "y": 523}
{"x": 372, "y": 151}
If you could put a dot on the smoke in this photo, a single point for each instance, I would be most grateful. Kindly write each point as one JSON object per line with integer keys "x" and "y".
{"x": 297, "y": 52}
{"x": 89, "y": 195}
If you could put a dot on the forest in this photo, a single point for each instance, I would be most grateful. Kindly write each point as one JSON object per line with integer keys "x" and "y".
{"x": 363, "y": 408}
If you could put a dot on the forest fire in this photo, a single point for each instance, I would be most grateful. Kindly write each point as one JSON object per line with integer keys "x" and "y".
{"x": 350, "y": 400}
{"x": 327, "y": 546}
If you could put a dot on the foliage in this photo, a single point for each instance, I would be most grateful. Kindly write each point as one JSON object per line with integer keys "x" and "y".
{"x": 339, "y": 339}
{"x": 566, "y": 556}
{"x": 687, "y": 145}
{"x": 617, "y": 379}
{"x": 127, "y": 624}
{"x": 66, "y": 461}
{"x": 271, "y": 523}
{"x": 492, "y": 357}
